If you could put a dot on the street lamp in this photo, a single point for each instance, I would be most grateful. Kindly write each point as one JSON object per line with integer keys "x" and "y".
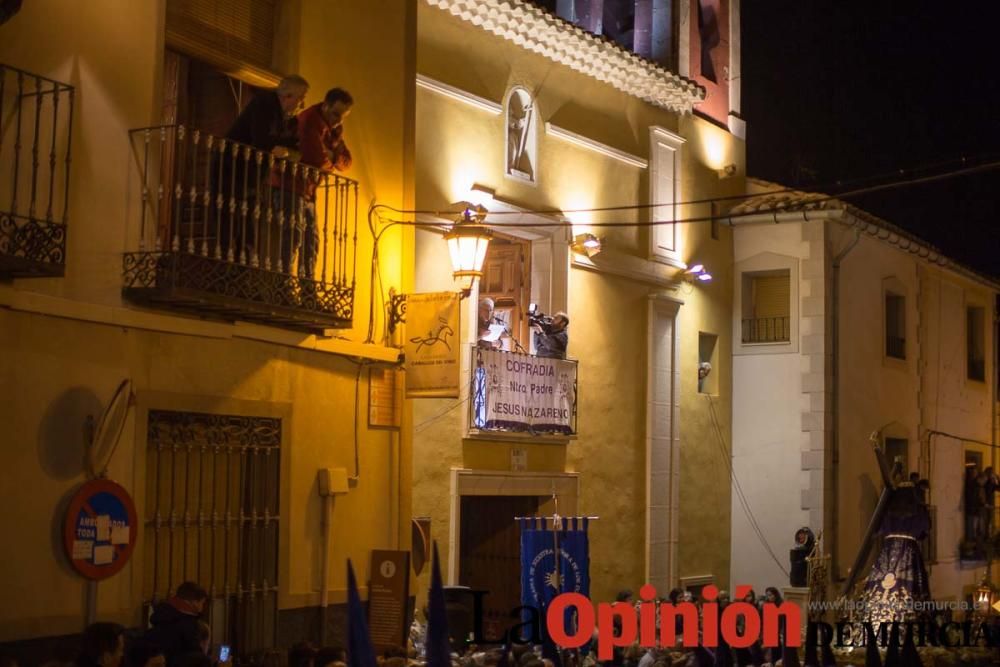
{"x": 467, "y": 242}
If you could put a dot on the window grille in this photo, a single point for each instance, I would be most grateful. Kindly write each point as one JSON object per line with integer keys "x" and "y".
{"x": 212, "y": 489}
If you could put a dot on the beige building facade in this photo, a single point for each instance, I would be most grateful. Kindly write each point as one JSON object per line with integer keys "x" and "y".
{"x": 849, "y": 332}
{"x": 554, "y": 125}
{"x": 244, "y": 390}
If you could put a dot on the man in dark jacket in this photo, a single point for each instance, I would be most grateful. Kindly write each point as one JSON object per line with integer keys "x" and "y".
{"x": 266, "y": 124}
{"x": 268, "y": 121}
{"x": 175, "y": 622}
{"x": 551, "y": 339}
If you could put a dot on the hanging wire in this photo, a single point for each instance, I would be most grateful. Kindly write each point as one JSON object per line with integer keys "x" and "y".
{"x": 816, "y": 198}
{"x": 731, "y": 219}
{"x": 738, "y": 488}
{"x": 856, "y": 187}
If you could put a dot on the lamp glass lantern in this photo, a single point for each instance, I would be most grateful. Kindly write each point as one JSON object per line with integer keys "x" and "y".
{"x": 468, "y": 241}
{"x": 984, "y": 596}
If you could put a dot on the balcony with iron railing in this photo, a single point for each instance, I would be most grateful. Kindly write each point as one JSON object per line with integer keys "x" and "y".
{"x": 766, "y": 330}
{"x": 36, "y": 122}
{"x": 522, "y": 394}
{"x": 223, "y": 230}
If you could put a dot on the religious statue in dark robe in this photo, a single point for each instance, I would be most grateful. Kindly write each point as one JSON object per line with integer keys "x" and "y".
{"x": 898, "y": 580}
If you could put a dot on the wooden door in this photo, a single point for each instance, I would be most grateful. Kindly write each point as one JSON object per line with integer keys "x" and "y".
{"x": 490, "y": 554}
{"x": 506, "y": 280}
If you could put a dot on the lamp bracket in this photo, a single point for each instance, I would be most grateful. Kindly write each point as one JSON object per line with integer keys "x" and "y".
{"x": 397, "y": 310}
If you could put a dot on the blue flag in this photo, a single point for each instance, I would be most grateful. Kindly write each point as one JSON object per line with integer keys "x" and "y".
{"x": 539, "y": 581}
{"x": 438, "y": 646}
{"x": 359, "y": 643}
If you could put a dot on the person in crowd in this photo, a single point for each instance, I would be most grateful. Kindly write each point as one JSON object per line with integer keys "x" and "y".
{"x": 990, "y": 484}
{"x": 321, "y": 142}
{"x": 417, "y": 638}
{"x": 551, "y": 340}
{"x": 302, "y": 654}
{"x": 176, "y": 628}
{"x": 102, "y": 645}
{"x": 142, "y": 653}
{"x": 972, "y": 504}
{"x": 775, "y": 653}
{"x": 329, "y": 656}
{"x": 204, "y": 637}
{"x": 193, "y": 659}
{"x": 267, "y": 124}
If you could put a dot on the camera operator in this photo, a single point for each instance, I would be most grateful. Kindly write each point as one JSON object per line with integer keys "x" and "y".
{"x": 551, "y": 337}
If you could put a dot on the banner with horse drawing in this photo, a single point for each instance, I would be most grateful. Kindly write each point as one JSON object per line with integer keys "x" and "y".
{"x": 432, "y": 345}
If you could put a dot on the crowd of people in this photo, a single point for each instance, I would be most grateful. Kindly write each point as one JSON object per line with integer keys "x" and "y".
{"x": 178, "y": 637}
{"x": 524, "y": 655}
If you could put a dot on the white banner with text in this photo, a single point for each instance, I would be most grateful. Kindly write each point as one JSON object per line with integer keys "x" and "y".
{"x": 523, "y": 393}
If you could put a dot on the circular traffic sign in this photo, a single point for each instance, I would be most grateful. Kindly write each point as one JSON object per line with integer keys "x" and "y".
{"x": 100, "y": 529}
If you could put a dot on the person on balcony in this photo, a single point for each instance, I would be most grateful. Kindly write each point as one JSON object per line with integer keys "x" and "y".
{"x": 485, "y": 339}
{"x": 551, "y": 339}
{"x": 321, "y": 142}
{"x": 267, "y": 124}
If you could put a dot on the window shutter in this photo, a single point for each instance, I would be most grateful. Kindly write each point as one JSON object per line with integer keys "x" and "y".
{"x": 771, "y": 296}
{"x": 234, "y": 36}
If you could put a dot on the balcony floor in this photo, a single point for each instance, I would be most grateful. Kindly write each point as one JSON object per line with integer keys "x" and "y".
{"x": 229, "y": 291}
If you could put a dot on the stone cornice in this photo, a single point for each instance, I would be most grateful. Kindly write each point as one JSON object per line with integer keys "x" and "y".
{"x": 535, "y": 29}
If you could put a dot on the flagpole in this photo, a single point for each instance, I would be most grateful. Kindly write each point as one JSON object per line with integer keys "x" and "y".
{"x": 550, "y": 517}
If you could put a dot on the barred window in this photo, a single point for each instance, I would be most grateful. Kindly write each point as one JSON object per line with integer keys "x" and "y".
{"x": 212, "y": 489}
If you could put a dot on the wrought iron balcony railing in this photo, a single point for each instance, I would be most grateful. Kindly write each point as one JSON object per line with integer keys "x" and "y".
{"x": 36, "y": 122}
{"x": 766, "y": 330}
{"x": 522, "y": 393}
{"x": 228, "y": 231}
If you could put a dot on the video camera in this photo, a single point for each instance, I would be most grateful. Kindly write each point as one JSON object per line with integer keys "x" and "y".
{"x": 537, "y": 317}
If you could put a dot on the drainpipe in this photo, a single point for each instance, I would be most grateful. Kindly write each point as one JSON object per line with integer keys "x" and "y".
{"x": 331, "y": 482}
{"x": 994, "y": 411}
{"x": 835, "y": 396}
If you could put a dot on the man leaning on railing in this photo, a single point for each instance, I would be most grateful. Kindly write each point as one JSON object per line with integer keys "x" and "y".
{"x": 321, "y": 141}
{"x": 268, "y": 123}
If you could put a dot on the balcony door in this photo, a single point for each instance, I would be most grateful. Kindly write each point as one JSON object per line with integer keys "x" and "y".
{"x": 199, "y": 97}
{"x": 507, "y": 280}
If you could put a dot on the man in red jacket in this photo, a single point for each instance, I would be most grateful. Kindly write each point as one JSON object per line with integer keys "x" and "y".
{"x": 321, "y": 142}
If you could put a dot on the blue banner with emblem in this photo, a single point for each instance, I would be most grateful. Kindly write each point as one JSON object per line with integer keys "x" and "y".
{"x": 540, "y": 582}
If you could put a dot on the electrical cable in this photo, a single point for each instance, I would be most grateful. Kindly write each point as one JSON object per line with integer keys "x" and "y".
{"x": 741, "y": 496}
{"x": 990, "y": 165}
{"x": 430, "y": 420}
{"x": 357, "y": 421}
{"x": 731, "y": 218}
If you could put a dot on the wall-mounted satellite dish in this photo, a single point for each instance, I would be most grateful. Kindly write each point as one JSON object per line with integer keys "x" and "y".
{"x": 109, "y": 431}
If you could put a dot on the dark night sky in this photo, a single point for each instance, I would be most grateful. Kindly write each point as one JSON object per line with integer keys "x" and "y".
{"x": 852, "y": 89}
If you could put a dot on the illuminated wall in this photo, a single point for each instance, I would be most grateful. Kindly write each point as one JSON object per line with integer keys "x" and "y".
{"x": 460, "y": 141}
{"x": 68, "y": 342}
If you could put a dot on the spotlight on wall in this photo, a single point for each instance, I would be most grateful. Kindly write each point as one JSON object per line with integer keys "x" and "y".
{"x": 696, "y": 272}
{"x": 586, "y": 244}
{"x": 480, "y": 195}
{"x": 727, "y": 172}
